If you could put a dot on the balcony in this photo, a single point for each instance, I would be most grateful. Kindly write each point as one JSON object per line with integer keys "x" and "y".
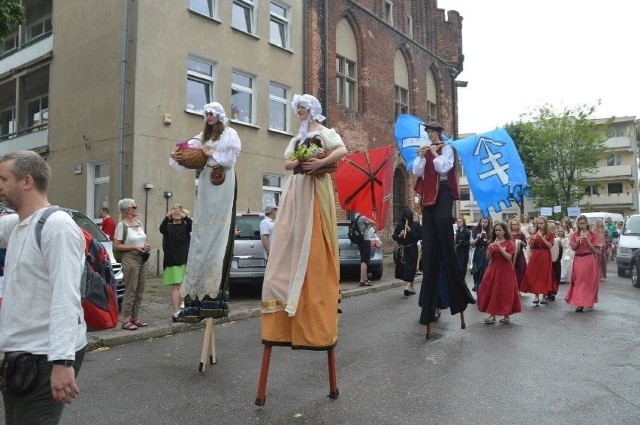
{"x": 28, "y": 139}
{"x": 27, "y": 54}
{"x": 620, "y": 199}
{"x": 612, "y": 172}
{"x": 620, "y": 142}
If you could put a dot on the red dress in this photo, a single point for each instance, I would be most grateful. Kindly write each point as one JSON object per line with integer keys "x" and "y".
{"x": 539, "y": 278}
{"x": 498, "y": 292}
{"x": 585, "y": 276}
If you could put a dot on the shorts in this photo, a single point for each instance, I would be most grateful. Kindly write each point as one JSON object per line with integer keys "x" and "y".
{"x": 365, "y": 251}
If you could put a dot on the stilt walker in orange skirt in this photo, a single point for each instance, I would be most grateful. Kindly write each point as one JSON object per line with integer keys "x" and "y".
{"x": 301, "y": 288}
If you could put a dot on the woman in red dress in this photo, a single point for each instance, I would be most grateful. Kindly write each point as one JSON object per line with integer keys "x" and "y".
{"x": 498, "y": 293}
{"x": 585, "y": 278}
{"x": 520, "y": 243}
{"x": 539, "y": 278}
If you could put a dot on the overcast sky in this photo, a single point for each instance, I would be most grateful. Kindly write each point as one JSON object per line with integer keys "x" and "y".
{"x": 521, "y": 54}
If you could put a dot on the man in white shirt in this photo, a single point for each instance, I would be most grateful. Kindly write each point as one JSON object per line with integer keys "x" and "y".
{"x": 266, "y": 227}
{"x": 41, "y": 311}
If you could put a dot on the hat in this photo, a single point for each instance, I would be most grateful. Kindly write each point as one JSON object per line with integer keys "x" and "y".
{"x": 433, "y": 125}
{"x": 269, "y": 208}
{"x": 217, "y": 109}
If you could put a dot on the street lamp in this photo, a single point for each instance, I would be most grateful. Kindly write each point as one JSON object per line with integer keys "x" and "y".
{"x": 167, "y": 196}
{"x": 147, "y": 188}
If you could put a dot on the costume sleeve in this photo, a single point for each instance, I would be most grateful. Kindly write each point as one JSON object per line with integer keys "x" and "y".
{"x": 510, "y": 247}
{"x": 331, "y": 138}
{"x": 290, "y": 148}
{"x": 228, "y": 148}
{"x": 418, "y": 166}
{"x": 444, "y": 162}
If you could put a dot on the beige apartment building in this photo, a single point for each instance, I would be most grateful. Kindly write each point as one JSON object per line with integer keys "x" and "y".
{"x": 613, "y": 186}
{"x": 104, "y": 90}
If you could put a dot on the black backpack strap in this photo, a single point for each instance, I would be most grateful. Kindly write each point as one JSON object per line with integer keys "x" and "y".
{"x": 40, "y": 224}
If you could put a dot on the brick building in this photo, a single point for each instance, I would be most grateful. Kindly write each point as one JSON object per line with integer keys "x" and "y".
{"x": 370, "y": 60}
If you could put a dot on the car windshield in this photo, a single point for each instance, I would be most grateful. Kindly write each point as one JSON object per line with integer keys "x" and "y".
{"x": 632, "y": 226}
{"x": 249, "y": 227}
{"x": 85, "y": 223}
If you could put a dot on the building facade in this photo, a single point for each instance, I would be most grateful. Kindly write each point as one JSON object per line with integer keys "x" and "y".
{"x": 104, "y": 90}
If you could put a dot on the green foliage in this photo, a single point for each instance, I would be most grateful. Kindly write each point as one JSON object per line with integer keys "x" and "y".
{"x": 558, "y": 150}
{"x": 11, "y": 15}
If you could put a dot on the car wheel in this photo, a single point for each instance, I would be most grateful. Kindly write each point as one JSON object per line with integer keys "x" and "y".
{"x": 622, "y": 272}
{"x": 634, "y": 275}
{"x": 376, "y": 274}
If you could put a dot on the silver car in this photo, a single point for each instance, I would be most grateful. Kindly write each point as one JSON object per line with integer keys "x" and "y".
{"x": 350, "y": 256}
{"x": 248, "y": 263}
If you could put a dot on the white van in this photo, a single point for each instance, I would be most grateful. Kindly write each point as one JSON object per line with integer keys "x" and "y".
{"x": 593, "y": 216}
{"x": 628, "y": 242}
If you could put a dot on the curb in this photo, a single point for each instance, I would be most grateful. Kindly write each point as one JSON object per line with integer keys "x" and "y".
{"x": 96, "y": 341}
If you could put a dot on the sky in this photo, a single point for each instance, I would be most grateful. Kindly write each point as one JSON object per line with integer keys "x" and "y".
{"x": 523, "y": 54}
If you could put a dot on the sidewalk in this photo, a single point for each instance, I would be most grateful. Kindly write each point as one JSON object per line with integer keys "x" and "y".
{"x": 156, "y": 310}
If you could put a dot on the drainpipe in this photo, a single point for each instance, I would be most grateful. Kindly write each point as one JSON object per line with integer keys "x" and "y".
{"x": 123, "y": 86}
{"x": 325, "y": 42}
{"x": 305, "y": 39}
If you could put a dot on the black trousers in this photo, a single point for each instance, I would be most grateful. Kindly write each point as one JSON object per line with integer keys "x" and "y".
{"x": 437, "y": 247}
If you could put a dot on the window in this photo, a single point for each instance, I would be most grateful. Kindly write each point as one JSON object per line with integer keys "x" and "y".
{"x": 279, "y": 25}
{"x": 203, "y": 7}
{"x": 242, "y": 97}
{"x": 614, "y": 188}
{"x": 10, "y": 44}
{"x": 615, "y": 132}
{"x": 402, "y": 100}
{"x": 432, "y": 95}
{"x": 8, "y": 121}
{"x": 38, "y": 111}
{"x": 465, "y": 195}
{"x": 39, "y": 28}
{"x": 278, "y": 108}
{"x": 409, "y": 26}
{"x": 388, "y": 12}
{"x": 591, "y": 190}
{"x": 614, "y": 160}
{"x": 432, "y": 112}
{"x": 346, "y": 82}
{"x": 199, "y": 83}
{"x": 99, "y": 183}
{"x": 242, "y": 16}
{"x": 271, "y": 189}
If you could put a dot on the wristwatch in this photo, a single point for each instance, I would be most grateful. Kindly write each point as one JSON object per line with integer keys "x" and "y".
{"x": 68, "y": 363}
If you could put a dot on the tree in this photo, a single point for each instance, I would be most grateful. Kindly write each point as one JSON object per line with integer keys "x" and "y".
{"x": 11, "y": 15}
{"x": 559, "y": 151}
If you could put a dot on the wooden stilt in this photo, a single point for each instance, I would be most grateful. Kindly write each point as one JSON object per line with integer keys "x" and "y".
{"x": 208, "y": 345}
{"x": 333, "y": 384}
{"x": 462, "y": 324}
{"x": 264, "y": 374}
{"x": 212, "y": 357}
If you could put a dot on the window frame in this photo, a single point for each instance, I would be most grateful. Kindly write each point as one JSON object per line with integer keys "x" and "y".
{"x": 614, "y": 192}
{"x": 251, "y": 91}
{"x": 14, "y": 120}
{"x": 344, "y": 81}
{"x": 247, "y": 5}
{"x": 276, "y": 190}
{"x": 43, "y": 121}
{"x": 12, "y": 36}
{"x": 432, "y": 111}
{"x": 42, "y": 22}
{"x": 614, "y": 160}
{"x": 200, "y": 78}
{"x": 92, "y": 181}
{"x": 280, "y": 20}
{"x": 213, "y": 7}
{"x": 400, "y": 107}
{"x": 281, "y": 101}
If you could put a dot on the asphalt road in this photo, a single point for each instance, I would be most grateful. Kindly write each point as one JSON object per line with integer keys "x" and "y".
{"x": 549, "y": 365}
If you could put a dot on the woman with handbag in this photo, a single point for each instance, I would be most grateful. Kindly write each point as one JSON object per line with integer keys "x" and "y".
{"x": 131, "y": 241}
{"x": 206, "y": 284}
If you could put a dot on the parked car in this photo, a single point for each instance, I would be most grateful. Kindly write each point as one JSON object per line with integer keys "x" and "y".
{"x": 350, "y": 256}
{"x": 248, "y": 263}
{"x": 87, "y": 224}
{"x": 628, "y": 244}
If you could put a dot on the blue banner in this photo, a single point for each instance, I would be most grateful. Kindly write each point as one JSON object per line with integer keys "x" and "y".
{"x": 493, "y": 168}
{"x": 410, "y": 134}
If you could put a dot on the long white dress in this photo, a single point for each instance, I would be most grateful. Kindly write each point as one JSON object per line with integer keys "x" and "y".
{"x": 211, "y": 246}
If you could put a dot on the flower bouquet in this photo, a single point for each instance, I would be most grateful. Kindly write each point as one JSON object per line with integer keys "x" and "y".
{"x": 303, "y": 153}
{"x": 189, "y": 155}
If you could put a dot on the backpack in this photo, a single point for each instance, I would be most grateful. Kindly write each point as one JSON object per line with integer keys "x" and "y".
{"x": 355, "y": 234}
{"x": 117, "y": 255}
{"x": 97, "y": 284}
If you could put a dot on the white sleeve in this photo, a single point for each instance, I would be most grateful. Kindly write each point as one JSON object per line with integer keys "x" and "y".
{"x": 7, "y": 224}
{"x": 444, "y": 162}
{"x": 331, "y": 138}
{"x": 418, "y": 166}
{"x": 228, "y": 148}
{"x": 290, "y": 148}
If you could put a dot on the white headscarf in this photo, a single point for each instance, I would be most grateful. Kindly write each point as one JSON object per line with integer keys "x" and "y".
{"x": 217, "y": 109}
{"x": 315, "y": 111}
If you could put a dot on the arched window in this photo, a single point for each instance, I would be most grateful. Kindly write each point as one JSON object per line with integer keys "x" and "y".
{"x": 399, "y": 193}
{"x": 346, "y": 66}
{"x": 401, "y": 84}
{"x": 432, "y": 96}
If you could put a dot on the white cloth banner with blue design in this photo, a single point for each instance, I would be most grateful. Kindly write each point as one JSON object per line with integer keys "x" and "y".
{"x": 493, "y": 168}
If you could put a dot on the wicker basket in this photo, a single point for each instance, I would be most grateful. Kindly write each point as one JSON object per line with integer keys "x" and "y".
{"x": 329, "y": 168}
{"x": 192, "y": 158}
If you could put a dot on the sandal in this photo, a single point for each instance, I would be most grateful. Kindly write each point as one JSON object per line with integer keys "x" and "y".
{"x": 138, "y": 323}
{"x": 366, "y": 283}
{"x": 504, "y": 319}
{"x": 129, "y": 326}
{"x": 490, "y": 320}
